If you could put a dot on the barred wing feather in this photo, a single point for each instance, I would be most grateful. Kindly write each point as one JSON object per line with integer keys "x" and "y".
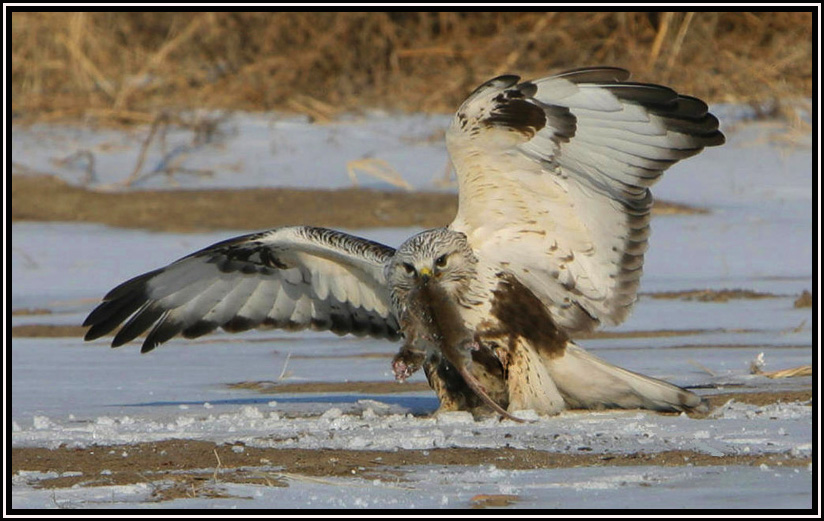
{"x": 292, "y": 278}
{"x": 554, "y": 178}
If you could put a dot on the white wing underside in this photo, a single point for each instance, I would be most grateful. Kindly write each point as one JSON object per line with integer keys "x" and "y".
{"x": 291, "y": 278}
{"x": 553, "y": 182}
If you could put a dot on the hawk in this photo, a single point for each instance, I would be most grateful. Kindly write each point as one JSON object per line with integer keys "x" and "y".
{"x": 554, "y": 181}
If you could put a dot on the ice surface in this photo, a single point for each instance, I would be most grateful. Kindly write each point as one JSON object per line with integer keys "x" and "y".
{"x": 758, "y": 236}
{"x": 251, "y": 150}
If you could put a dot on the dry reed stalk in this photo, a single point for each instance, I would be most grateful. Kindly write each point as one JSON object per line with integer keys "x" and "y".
{"x": 161, "y": 120}
{"x": 702, "y": 367}
{"x": 65, "y": 66}
{"x": 319, "y": 111}
{"x": 217, "y": 468}
{"x": 679, "y": 41}
{"x": 131, "y": 116}
{"x": 802, "y": 370}
{"x": 663, "y": 28}
{"x": 379, "y": 169}
{"x": 90, "y": 173}
{"x": 440, "y": 50}
{"x": 158, "y": 58}
{"x": 73, "y": 43}
{"x": 514, "y": 56}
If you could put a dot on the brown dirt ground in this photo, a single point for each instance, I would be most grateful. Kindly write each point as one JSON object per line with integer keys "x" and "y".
{"x": 709, "y": 295}
{"x": 189, "y": 468}
{"x": 805, "y": 300}
{"x": 190, "y": 465}
{"x": 47, "y": 198}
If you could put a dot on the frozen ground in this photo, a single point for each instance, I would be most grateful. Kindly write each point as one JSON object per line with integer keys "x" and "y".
{"x": 758, "y": 237}
{"x": 660, "y": 488}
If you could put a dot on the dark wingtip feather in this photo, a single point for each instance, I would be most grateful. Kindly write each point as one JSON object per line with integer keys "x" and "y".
{"x": 163, "y": 331}
{"x": 93, "y": 334}
{"x": 117, "y": 306}
{"x": 147, "y": 346}
{"x": 199, "y": 328}
{"x": 135, "y": 284}
{"x": 91, "y": 318}
{"x": 110, "y": 314}
{"x": 239, "y": 324}
{"x": 684, "y": 114}
{"x": 143, "y": 319}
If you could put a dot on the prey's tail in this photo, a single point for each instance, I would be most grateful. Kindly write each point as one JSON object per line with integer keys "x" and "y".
{"x": 585, "y": 381}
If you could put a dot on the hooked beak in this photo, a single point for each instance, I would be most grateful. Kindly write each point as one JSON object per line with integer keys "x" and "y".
{"x": 425, "y": 274}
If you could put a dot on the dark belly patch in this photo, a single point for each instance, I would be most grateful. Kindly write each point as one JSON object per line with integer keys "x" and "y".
{"x": 521, "y": 314}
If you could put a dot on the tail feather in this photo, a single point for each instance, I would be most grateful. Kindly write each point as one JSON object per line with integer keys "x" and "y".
{"x": 588, "y": 382}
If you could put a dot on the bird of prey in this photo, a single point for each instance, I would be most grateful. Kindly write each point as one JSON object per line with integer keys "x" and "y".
{"x": 554, "y": 179}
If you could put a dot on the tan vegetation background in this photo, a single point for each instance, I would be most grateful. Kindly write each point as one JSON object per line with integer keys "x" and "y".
{"x": 128, "y": 66}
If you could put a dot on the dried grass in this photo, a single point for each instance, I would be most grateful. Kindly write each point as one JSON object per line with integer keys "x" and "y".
{"x": 802, "y": 370}
{"x": 133, "y": 65}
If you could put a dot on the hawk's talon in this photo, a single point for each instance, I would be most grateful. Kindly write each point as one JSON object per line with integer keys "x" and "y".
{"x": 471, "y": 345}
{"x": 401, "y": 370}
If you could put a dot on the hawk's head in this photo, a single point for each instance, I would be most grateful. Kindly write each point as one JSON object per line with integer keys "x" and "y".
{"x": 440, "y": 256}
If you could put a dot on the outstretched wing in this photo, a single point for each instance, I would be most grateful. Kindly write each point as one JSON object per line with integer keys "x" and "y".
{"x": 291, "y": 278}
{"x": 554, "y": 178}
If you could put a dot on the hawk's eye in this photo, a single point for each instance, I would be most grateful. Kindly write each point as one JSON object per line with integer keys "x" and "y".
{"x": 440, "y": 262}
{"x": 410, "y": 269}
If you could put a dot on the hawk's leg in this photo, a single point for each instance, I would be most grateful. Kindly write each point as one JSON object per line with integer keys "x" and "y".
{"x": 455, "y": 394}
